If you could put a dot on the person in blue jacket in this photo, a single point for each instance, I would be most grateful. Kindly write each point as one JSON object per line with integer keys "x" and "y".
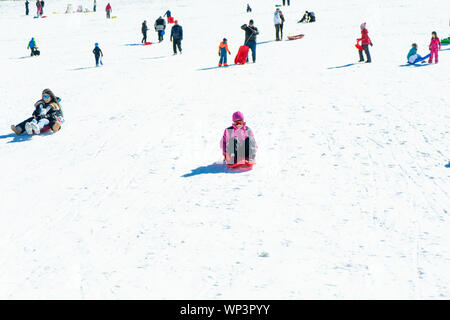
{"x": 176, "y": 35}
{"x": 32, "y": 46}
{"x": 168, "y": 14}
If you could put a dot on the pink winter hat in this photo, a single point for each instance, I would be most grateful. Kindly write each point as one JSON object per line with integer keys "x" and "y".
{"x": 363, "y": 26}
{"x": 238, "y": 116}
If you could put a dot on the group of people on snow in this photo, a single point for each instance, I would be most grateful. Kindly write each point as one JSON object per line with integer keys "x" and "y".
{"x": 434, "y": 47}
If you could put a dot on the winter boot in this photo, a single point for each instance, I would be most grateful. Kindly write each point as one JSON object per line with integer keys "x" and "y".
{"x": 56, "y": 126}
{"x": 17, "y": 130}
{"x": 225, "y": 64}
{"x": 220, "y": 64}
{"x": 28, "y": 128}
{"x": 35, "y": 127}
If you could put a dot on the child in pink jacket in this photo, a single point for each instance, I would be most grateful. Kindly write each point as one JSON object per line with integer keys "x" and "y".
{"x": 238, "y": 143}
{"x": 435, "y": 46}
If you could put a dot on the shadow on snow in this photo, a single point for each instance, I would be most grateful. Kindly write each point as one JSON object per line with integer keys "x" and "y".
{"x": 214, "y": 168}
{"x": 15, "y": 137}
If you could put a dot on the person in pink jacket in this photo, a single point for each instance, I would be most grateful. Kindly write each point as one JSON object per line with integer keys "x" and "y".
{"x": 238, "y": 143}
{"x": 435, "y": 46}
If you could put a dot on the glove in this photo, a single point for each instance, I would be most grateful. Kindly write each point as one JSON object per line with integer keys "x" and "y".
{"x": 371, "y": 44}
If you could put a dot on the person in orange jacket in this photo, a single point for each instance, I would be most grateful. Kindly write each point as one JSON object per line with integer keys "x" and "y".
{"x": 223, "y": 49}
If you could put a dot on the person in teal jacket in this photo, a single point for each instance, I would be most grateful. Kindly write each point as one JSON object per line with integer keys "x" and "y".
{"x": 412, "y": 54}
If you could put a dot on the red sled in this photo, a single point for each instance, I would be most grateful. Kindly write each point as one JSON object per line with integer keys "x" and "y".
{"x": 241, "y": 57}
{"x": 147, "y": 43}
{"x": 358, "y": 46}
{"x": 299, "y": 36}
{"x": 169, "y": 19}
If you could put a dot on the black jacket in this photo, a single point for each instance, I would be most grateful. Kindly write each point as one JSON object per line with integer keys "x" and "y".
{"x": 160, "y": 22}
{"x": 97, "y": 51}
{"x": 176, "y": 33}
{"x": 48, "y": 111}
{"x": 249, "y": 34}
{"x": 144, "y": 28}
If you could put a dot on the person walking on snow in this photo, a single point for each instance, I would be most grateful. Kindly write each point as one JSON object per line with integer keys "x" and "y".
{"x": 288, "y": 2}
{"x": 42, "y": 7}
{"x": 97, "y": 53}
{"x": 160, "y": 26}
{"x": 248, "y": 8}
{"x": 250, "y": 38}
{"x": 38, "y": 8}
{"x": 223, "y": 49}
{"x": 238, "y": 143}
{"x": 95, "y": 5}
{"x": 32, "y": 46}
{"x": 435, "y": 46}
{"x": 27, "y": 9}
{"x": 144, "y": 31}
{"x": 365, "y": 42}
{"x": 176, "y": 36}
{"x": 108, "y": 10}
{"x": 277, "y": 23}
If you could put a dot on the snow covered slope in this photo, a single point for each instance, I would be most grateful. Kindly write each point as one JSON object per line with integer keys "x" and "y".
{"x": 349, "y": 197}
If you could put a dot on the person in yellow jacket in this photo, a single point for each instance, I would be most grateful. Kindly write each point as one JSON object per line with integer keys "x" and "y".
{"x": 223, "y": 49}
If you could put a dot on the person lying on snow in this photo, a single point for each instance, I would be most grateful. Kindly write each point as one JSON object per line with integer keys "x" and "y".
{"x": 238, "y": 143}
{"x": 46, "y": 115}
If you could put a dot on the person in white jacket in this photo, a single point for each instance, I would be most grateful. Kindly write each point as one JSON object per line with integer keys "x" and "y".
{"x": 277, "y": 22}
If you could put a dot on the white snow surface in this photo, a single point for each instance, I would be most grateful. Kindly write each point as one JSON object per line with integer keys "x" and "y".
{"x": 349, "y": 198}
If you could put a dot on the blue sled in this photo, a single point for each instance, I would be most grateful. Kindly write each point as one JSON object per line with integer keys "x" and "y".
{"x": 421, "y": 59}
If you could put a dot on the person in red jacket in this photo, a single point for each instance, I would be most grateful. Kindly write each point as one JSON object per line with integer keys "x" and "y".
{"x": 108, "y": 11}
{"x": 365, "y": 42}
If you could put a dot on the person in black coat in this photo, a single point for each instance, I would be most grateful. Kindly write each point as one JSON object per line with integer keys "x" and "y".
{"x": 47, "y": 111}
{"x": 160, "y": 26}
{"x": 144, "y": 31}
{"x": 97, "y": 53}
{"x": 27, "y": 9}
{"x": 42, "y": 7}
{"x": 176, "y": 35}
{"x": 248, "y": 8}
{"x": 250, "y": 38}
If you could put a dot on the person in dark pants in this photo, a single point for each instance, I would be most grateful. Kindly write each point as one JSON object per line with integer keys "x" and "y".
{"x": 47, "y": 111}
{"x": 250, "y": 38}
{"x": 281, "y": 24}
{"x": 176, "y": 35}
{"x": 160, "y": 26}
{"x": 95, "y": 5}
{"x": 288, "y": 2}
{"x": 32, "y": 46}
{"x": 108, "y": 11}
{"x": 277, "y": 23}
{"x": 365, "y": 42}
{"x": 27, "y": 9}
{"x": 144, "y": 31}
{"x": 42, "y": 7}
{"x": 97, "y": 53}
{"x": 248, "y": 8}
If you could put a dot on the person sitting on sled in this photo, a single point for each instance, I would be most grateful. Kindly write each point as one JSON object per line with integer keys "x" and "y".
{"x": 238, "y": 143}
{"x": 413, "y": 56}
{"x": 223, "y": 49}
{"x": 47, "y": 112}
